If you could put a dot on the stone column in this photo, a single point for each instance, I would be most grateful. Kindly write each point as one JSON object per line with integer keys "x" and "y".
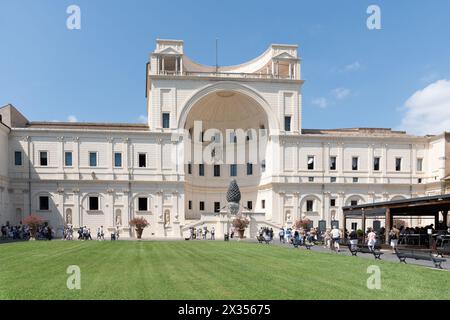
{"x": 110, "y": 212}
{"x": 297, "y": 213}
{"x": 77, "y": 212}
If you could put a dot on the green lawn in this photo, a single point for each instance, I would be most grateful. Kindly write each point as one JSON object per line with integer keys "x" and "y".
{"x": 203, "y": 270}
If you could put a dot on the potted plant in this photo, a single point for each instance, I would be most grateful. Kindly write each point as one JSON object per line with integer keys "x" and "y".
{"x": 140, "y": 224}
{"x": 33, "y": 222}
{"x": 240, "y": 224}
{"x": 302, "y": 224}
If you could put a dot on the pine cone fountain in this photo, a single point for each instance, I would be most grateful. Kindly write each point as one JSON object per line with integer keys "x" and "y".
{"x": 233, "y": 193}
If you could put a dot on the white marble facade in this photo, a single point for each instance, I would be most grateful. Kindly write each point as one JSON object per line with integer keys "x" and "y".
{"x": 104, "y": 174}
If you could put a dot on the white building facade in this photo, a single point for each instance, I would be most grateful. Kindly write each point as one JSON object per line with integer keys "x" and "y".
{"x": 245, "y": 123}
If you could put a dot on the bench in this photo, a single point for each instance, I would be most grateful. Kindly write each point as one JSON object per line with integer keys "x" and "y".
{"x": 445, "y": 249}
{"x": 262, "y": 239}
{"x": 306, "y": 244}
{"x": 404, "y": 254}
{"x": 365, "y": 249}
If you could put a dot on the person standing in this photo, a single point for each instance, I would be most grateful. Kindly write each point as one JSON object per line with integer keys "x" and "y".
{"x": 281, "y": 234}
{"x": 213, "y": 233}
{"x": 335, "y": 238}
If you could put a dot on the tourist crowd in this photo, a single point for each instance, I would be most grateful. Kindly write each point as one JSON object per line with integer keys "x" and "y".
{"x": 202, "y": 233}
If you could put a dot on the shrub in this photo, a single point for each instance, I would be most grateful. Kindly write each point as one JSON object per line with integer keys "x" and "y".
{"x": 240, "y": 223}
{"x": 139, "y": 223}
{"x": 33, "y": 222}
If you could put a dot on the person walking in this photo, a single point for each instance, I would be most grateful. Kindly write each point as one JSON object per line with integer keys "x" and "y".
{"x": 353, "y": 236}
{"x": 394, "y": 234}
{"x": 327, "y": 239}
{"x": 371, "y": 239}
{"x": 335, "y": 238}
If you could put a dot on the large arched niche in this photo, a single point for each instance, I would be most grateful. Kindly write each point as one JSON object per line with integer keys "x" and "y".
{"x": 228, "y": 105}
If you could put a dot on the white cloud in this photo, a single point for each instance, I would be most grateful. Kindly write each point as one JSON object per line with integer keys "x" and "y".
{"x": 353, "y": 66}
{"x": 333, "y": 97}
{"x": 340, "y": 93}
{"x": 320, "y": 102}
{"x": 72, "y": 118}
{"x": 428, "y": 110}
{"x": 142, "y": 119}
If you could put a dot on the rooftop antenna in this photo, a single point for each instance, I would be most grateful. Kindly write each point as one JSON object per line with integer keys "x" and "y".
{"x": 217, "y": 55}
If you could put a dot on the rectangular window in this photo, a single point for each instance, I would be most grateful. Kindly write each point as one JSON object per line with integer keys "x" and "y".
{"x": 287, "y": 123}
{"x": 419, "y": 164}
{"x": 142, "y": 160}
{"x": 166, "y": 120}
{"x": 43, "y": 158}
{"x": 217, "y": 170}
{"x": 354, "y": 203}
{"x": 93, "y": 203}
{"x": 376, "y": 164}
{"x": 44, "y": 203}
{"x": 310, "y": 162}
{"x": 263, "y": 204}
{"x": 355, "y": 226}
{"x": 68, "y": 158}
{"x": 18, "y": 158}
{"x": 355, "y": 180}
{"x": 355, "y": 161}
{"x": 189, "y": 168}
{"x": 249, "y": 205}
{"x": 117, "y": 159}
{"x": 190, "y": 204}
{"x": 216, "y": 207}
{"x": 249, "y": 169}
{"x": 202, "y": 206}
{"x": 142, "y": 204}
{"x": 332, "y": 179}
{"x": 309, "y": 205}
{"x": 201, "y": 170}
{"x": 233, "y": 170}
{"x": 310, "y": 179}
{"x": 332, "y": 202}
{"x": 419, "y": 180}
{"x": 398, "y": 164}
{"x": 92, "y": 159}
{"x": 333, "y": 163}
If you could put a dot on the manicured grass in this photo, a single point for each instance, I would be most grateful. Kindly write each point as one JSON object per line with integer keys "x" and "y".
{"x": 203, "y": 270}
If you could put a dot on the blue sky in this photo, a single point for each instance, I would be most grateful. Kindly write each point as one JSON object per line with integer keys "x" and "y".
{"x": 355, "y": 77}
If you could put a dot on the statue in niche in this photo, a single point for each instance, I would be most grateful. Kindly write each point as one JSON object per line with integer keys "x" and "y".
{"x": 166, "y": 217}
{"x": 288, "y": 215}
{"x": 118, "y": 218}
{"x": 68, "y": 217}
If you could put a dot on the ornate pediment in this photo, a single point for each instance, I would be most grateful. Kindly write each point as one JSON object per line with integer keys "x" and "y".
{"x": 169, "y": 50}
{"x": 285, "y": 56}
